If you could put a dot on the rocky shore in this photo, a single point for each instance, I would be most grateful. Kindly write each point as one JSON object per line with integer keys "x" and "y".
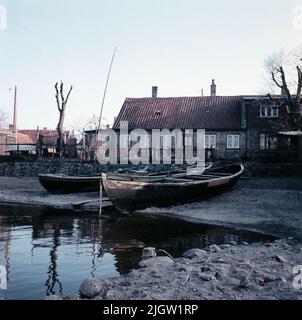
{"x": 255, "y": 271}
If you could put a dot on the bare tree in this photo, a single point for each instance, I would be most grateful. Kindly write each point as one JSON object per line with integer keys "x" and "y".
{"x": 285, "y": 71}
{"x": 61, "y": 105}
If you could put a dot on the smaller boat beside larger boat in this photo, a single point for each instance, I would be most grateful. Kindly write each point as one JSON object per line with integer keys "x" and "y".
{"x": 129, "y": 193}
{"x": 62, "y": 184}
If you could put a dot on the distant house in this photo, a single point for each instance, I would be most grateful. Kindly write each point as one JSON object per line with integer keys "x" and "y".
{"x": 46, "y": 141}
{"x": 6, "y": 137}
{"x": 11, "y": 143}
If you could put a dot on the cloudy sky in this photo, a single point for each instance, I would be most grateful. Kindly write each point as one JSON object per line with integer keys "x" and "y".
{"x": 178, "y": 45}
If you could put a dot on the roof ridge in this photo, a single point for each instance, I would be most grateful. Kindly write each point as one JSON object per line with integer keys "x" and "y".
{"x": 187, "y": 97}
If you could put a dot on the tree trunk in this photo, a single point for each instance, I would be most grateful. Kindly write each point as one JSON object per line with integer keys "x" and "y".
{"x": 61, "y": 105}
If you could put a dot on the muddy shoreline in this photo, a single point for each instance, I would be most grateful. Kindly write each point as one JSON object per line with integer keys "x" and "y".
{"x": 231, "y": 272}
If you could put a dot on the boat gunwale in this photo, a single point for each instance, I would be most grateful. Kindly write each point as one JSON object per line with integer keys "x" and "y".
{"x": 190, "y": 182}
{"x": 67, "y": 178}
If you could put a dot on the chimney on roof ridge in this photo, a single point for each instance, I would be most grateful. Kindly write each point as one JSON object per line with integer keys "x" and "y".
{"x": 154, "y": 91}
{"x": 213, "y": 88}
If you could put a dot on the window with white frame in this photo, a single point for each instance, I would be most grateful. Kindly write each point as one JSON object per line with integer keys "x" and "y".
{"x": 268, "y": 141}
{"x": 210, "y": 141}
{"x": 233, "y": 141}
{"x": 269, "y": 111}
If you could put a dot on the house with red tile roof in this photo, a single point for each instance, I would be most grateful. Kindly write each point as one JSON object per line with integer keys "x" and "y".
{"x": 236, "y": 127}
{"x": 222, "y": 118}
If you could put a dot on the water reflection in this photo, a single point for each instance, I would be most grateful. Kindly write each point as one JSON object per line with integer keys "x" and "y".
{"x": 53, "y": 275}
{"x": 49, "y": 253}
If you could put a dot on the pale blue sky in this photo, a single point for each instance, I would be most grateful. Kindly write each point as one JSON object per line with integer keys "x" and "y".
{"x": 177, "y": 45}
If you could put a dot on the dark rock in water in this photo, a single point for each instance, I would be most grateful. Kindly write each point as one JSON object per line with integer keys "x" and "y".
{"x": 53, "y": 297}
{"x": 93, "y": 287}
{"x": 194, "y": 253}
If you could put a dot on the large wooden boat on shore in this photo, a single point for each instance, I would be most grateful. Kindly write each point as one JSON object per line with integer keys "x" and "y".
{"x": 129, "y": 193}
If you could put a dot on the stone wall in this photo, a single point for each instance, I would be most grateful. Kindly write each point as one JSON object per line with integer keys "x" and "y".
{"x": 32, "y": 169}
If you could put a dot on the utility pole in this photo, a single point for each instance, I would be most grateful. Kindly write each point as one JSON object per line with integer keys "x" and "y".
{"x": 15, "y": 112}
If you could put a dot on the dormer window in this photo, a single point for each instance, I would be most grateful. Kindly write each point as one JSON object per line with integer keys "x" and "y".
{"x": 269, "y": 111}
{"x": 157, "y": 112}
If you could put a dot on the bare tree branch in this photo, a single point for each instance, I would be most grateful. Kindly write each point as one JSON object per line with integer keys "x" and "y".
{"x": 57, "y": 97}
{"x": 285, "y": 72}
{"x": 275, "y": 80}
{"x": 68, "y": 94}
{"x": 61, "y": 92}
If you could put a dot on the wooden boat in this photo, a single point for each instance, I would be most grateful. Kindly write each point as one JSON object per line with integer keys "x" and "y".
{"x": 128, "y": 193}
{"x": 62, "y": 184}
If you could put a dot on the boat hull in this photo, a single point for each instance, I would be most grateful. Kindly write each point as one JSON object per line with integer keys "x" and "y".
{"x": 64, "y": 184}
{"x": 129, "y": 196}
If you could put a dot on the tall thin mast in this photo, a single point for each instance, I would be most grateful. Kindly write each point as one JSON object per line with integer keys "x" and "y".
{"x": 105, "y": 91}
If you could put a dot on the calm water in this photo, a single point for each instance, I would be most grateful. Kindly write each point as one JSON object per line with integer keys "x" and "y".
{"x": 49, "y": 253}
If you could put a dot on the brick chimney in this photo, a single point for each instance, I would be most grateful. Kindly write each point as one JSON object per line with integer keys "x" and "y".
{"x": 154, "y": 92}
{"x": 213, "y": 88}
